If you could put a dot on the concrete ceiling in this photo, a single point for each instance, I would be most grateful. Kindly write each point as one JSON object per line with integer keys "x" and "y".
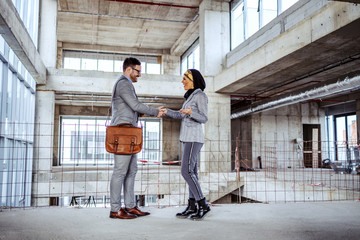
{"x": 324, "y": 61}
{"x": 332, "y": 57}
{"x": 350, "y": 1}
{"x": 155, "y": 27}
{"x": 139, "y": 26}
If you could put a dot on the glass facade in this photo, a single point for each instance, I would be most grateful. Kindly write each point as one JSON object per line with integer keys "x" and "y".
{"x": 17, "y": 112}
{"x": 28, "y": 11}
{"x": 248, "y": 16}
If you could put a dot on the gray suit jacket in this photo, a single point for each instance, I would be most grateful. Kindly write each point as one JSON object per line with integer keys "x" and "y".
{"x": 191, "y": 126}
{"x": 125, "y": 104}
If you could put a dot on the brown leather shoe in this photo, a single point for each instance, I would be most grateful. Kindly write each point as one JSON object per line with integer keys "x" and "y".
{"x": 136, "y": 211}
{"x": 122, "y": 214}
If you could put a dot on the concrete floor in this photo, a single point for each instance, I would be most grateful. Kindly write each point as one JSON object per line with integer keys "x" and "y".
{"x": 329, "y": 220}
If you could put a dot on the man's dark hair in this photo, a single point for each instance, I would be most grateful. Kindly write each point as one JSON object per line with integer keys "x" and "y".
{"x": 130, "y": 62}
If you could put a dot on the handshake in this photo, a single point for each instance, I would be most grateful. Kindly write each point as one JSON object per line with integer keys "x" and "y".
{"x": 163, "y": 111}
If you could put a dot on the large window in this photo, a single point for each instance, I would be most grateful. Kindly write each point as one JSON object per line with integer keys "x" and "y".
{"x": 107, "y": 62}
{"x": 29, "y": 13}
{"x": 345, "y": 136}
{"x": 82, "y": 141}
{"x": 342, "y": 136}
{"x": 248, "y": 16}
{"x": 191, "y": 58}
{"x": 17, "y": 109}
{"x": 152, "y": 141}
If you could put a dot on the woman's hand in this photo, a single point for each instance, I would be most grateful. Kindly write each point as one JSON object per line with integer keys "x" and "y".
{"x": 186, "y": 111}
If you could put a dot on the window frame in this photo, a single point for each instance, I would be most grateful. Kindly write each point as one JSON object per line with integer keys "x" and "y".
{"x": 245, "y": 22}
{"x": 348, "y": 144}
{"x": 190, "y": 52}
{"x": 108, "y": 159}
{"x": 114, "y": 57}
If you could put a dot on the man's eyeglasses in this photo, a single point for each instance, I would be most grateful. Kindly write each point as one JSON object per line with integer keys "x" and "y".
{"x": 136, "y": 70}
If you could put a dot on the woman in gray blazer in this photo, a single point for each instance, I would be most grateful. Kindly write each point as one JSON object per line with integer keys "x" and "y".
{"x": 193, "y": 114}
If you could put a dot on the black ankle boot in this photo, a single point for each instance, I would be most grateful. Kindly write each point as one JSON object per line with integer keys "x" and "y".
{"x": 190, "y": 209}
{"x": 202, "y": 211}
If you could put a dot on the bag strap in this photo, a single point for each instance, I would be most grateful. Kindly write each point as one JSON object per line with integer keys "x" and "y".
{"x": 112, "y": 99}
{"x": 125, "y": 124}
{"x": 108, "y": 115}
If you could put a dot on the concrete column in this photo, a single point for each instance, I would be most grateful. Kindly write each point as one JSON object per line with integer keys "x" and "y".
{"x": 358, "y": 120}
{"x": 216, "y": 153}
{"x": 43, "y": 147}
{"x": 47, "y": 32}
{"x": 214, "y": 40}
{"x": 171, "y": 65}
{"x": 214, "y": 31}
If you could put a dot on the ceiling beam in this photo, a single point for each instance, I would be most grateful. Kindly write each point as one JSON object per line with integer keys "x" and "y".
{"x": 350, "y": 1}
{"x": 15, "y": 34}
{"x": 154, "y": 3}
{"x": 113, "y": 49}
{"x": 187, "y": 38}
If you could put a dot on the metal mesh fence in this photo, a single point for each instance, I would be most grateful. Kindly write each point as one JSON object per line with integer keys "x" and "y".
{"x": 34, "y": 173}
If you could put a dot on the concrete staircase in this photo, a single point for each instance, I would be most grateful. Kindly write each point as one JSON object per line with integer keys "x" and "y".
{"x": 214, "y": 187}
{"x": 218, "y": 185}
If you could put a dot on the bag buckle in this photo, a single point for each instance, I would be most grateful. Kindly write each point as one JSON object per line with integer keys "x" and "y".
{"x": 116, "y": 143}
{"x": 132, "y": 144}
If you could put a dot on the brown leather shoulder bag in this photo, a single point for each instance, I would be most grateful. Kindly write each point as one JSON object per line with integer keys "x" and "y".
{"x": 123, "y": 139}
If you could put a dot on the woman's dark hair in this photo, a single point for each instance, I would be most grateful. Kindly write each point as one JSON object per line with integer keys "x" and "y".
{"x": 198, "y": 81}
{"x": 130, "y": 62}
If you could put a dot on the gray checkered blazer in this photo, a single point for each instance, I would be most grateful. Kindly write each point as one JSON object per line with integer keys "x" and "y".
{"x": 191, "y": 126}
{"x": 125, "y": 104}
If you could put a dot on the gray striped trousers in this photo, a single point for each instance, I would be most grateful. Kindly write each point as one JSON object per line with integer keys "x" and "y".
{"x": 189, "y": 168}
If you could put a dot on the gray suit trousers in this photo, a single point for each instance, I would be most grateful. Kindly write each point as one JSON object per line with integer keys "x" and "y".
{"x": 125, "y": 168}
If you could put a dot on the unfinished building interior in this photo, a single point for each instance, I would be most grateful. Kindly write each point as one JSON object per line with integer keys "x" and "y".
{"x": 283, "y": 84}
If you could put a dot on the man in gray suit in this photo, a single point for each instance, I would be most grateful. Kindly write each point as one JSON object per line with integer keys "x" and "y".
{"x": 125, "y": 109}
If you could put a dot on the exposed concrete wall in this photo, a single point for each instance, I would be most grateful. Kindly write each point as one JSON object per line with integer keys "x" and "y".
{"x": 242, "y": 128}
{"x": 56, "y": 138}
{"x": 358, "y": 120}
{"x": 43, "y": 146}
{"x": 47, "y": 32}
{"x": 214, "y": 40}
{"x": 171, "y": 65}
{"x": 277, "y": 130}
{"x": 300, "y": 186}
{"x": 214, "y": 36}
{"x": 274, "y": 128}
{"x": 150, "y": 85}
{"x": 170, "y": 136}
{"x": 216, "y": 152}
